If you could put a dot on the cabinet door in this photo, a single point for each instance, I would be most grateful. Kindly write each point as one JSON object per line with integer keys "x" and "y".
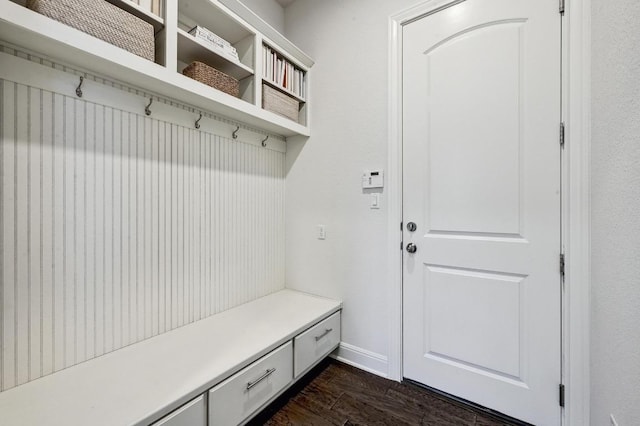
{"x": 193, "y": 413}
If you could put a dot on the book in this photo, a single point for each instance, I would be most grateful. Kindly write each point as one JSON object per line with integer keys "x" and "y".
{"x": 282, "y": 73}
{"x": 204, "y": 34}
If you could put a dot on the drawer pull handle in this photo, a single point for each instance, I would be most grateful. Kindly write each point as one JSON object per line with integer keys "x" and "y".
{"x": 261, "y": 378}
{"x": 326, "y": 331}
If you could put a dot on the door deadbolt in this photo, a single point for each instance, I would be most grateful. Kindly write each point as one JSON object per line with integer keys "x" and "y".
{"x": 411, "y": 226}
{"x": 411, "y": 248}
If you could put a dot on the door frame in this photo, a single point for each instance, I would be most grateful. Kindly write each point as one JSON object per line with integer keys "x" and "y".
{"x": 576, "y": 194}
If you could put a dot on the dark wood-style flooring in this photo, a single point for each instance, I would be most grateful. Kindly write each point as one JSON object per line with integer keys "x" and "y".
{"x": 337, "y": 394}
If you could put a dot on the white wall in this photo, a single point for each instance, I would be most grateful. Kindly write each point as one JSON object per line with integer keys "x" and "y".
{"x": 348, "y": 41}
{"x": 615, "y": 352}
{"x": 269, "y": 10}
{"x": 116, "y": 226}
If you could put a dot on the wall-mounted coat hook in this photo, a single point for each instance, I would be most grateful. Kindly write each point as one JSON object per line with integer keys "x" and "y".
{"x": 198, "y": 121}
{"x": 264, "y": 141}
{"x": 146, "y": 109}
{"x": 79, "y": 88}
{"x": 235, "y": 132}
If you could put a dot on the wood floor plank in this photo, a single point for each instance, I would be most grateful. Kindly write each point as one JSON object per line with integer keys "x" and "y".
{"x": 354, "y": 382}
{"x": 319, "y": 399}
{"x": 488, "y": 421}
{"x": 318, "y": 395}
{"x": 342, "y": 371}
{"x": 359, "y": 412}
{"x": 398, "y": 408}
{"x": 296, "y": 414}
{"x": 436, "y": 411}
{"x": 444, "y": 419}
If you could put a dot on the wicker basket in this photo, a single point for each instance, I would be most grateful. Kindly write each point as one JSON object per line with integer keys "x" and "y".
{"x": 275, "y": 101}
{"x": 212, "y": 77}
{"x": 102, "y": 20}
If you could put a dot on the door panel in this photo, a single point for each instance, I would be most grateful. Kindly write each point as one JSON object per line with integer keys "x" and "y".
{"x": 461, "y": 129}
{"x": 481, "y": 108}
{"x": 491, "y": 341}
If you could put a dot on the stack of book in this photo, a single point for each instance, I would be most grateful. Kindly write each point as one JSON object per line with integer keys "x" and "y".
{"x": 282, "y": 73}
{"x": 215, "y": 43}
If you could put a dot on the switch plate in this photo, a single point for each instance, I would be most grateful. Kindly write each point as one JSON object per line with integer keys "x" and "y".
{"x": 373, "y": 179}
{"x": 322, "y": 232}
{"x": 375, "y": 201}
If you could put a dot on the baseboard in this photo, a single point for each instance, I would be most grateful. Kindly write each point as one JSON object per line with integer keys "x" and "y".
{"x": 363, "y": 359}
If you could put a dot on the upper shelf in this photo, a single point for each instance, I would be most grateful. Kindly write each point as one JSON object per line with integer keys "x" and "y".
{"x": 33, "y": 31}
{"x": 191, "y": 49}
{"x": 208, "y": 15}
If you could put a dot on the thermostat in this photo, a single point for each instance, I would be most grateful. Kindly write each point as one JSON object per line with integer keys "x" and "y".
{"x": 373, "y": 179}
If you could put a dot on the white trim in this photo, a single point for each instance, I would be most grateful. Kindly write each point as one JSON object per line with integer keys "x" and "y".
{"x": 576, "y": 215}
{"x": 394, "y": 194}
{"x": 394, "y": 177}
{"x": 576, "y": 199}
{"x": 361, "y": 358}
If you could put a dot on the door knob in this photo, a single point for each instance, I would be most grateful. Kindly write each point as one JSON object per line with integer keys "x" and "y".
{"x": 411, "y": 248}
{"x": 411, "y": 226}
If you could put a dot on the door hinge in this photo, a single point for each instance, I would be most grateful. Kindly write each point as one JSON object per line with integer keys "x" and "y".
{"x": 562, "y": 135}
{"x": 562, "y": 265}
{"x": 400, "y": 245}
{"x": 561, "y": 7}
{"x": 401, "y": 226}
{"x": 561, "y": 395}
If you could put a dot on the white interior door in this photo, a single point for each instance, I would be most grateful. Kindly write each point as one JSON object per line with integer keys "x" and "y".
{"x": 481, "y": 113}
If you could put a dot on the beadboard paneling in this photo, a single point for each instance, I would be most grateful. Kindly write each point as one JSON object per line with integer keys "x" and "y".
{"x": 115, "y": 227}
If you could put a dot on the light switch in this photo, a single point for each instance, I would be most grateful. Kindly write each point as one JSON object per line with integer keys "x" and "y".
{"x": 373, "y": 179}
{"x": 375, "y": 201}
{"x": 322, "y": 232}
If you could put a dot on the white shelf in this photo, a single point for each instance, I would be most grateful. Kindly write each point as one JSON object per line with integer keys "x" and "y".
{"x": 191, "y": 49}
{"x": 208, "y": 15}
{"x": 33, "y": 31}
{"x": 140, "y": 12}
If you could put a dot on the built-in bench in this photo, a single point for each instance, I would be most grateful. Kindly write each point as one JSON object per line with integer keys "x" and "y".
{"x": 221, "y": 370}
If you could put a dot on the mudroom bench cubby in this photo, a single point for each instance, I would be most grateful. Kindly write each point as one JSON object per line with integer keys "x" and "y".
{"x": 221, "y": 370}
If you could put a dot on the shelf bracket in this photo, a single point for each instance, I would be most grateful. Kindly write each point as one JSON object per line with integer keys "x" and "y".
{"x": 235, "y": 132}
{"x": 264, "y": 141}
{"x": 146, "y": 109}
{"x": 79, "y": 88}
{"x": 198, "y": 121}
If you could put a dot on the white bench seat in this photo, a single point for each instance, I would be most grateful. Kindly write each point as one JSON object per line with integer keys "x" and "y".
{"x": 141, "y": 383}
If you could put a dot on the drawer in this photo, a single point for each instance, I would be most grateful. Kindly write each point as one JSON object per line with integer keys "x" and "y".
{"x": 238, "y": 397}
{"x": 193, "y": 413}
{"x": 316, "y": 343}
